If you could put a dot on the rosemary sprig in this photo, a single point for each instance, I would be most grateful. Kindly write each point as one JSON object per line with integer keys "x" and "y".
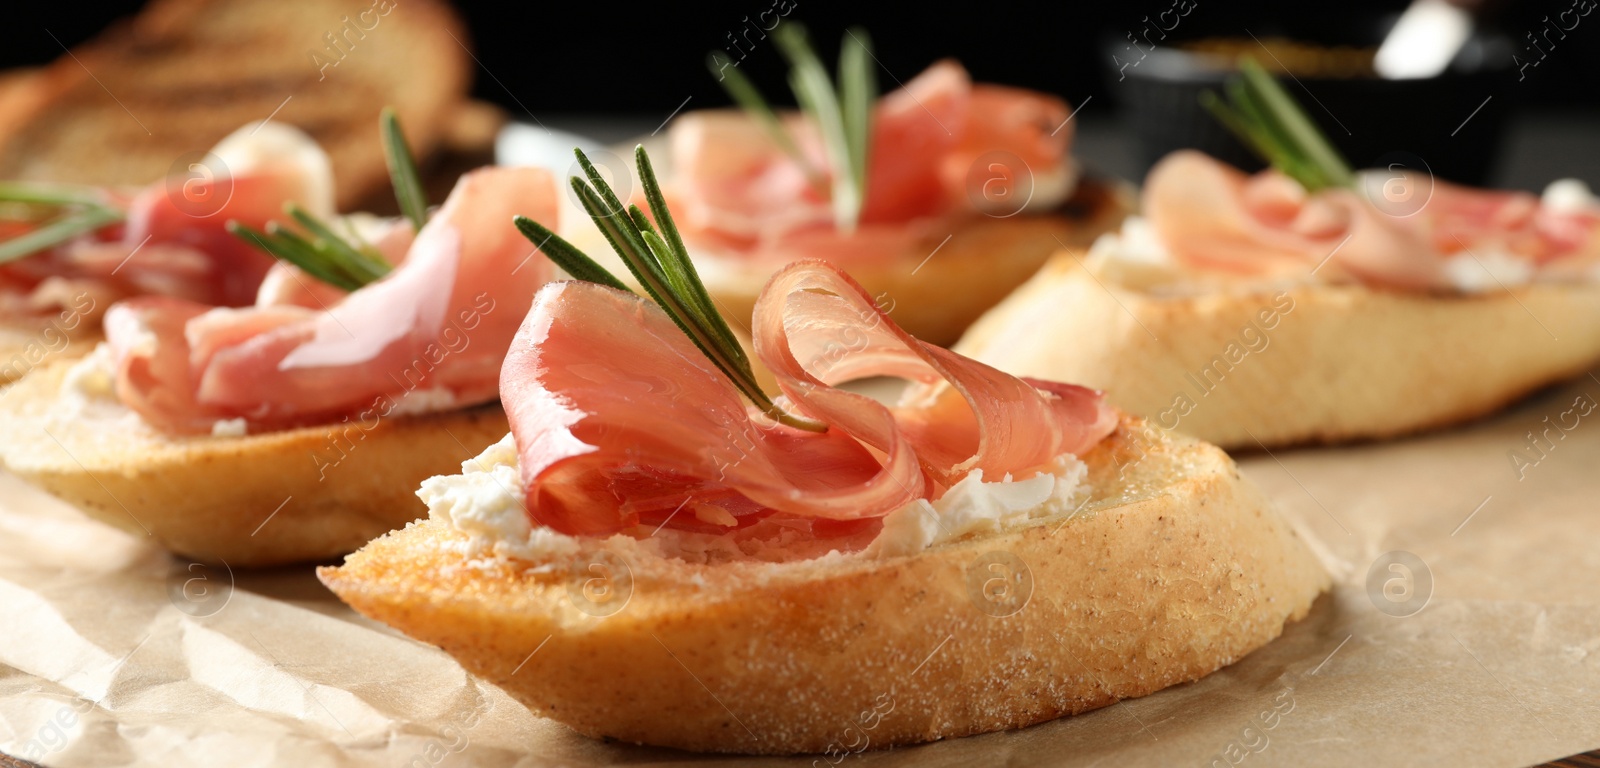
{"x": 77, "y": 210}
{"x": 49, "y": 194}
{"x": 1271, "y": 123}
{"x": 842, "y": 115}
{"x": 661, "y": 264}
{"x": 58, "y": 231}
{"x": 403, "y": 170}
{"x": 328, "y": 256}
{"x": 324, "y": 255}
{"x": 858, "y": 89}
{"x": 744, "y": 93}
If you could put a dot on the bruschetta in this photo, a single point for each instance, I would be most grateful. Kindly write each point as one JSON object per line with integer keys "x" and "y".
{"x": 659, "y": 554}
{"x": 68, "y": 252}
{"x": 1286, "y": 307}
{"x": 289, "y": 430}
{"x": 940, "y": 197}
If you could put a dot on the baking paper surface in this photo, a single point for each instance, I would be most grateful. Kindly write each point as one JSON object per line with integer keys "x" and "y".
{"x": 112, "y": 653}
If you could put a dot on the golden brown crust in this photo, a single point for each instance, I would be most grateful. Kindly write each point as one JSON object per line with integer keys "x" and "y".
{"x": 938, "y": 287}
{"x": 185, "y": 73}
{"x": 298, "y": 495}
{"x": 1339, "y": 363}
{"x": 1176, "y": 568}
{"x": 29, "y": 343}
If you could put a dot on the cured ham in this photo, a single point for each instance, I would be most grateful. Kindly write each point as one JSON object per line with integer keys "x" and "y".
{"x": 735, "y": 188}
{"x": 440, "y": 322}
{"x": 1214, "y": 217}
{"x": 620, "y": 420}
{"x": 173, "y": 241}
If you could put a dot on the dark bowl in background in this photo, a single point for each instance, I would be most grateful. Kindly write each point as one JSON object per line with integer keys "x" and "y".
{"x": 1370, "y": 120}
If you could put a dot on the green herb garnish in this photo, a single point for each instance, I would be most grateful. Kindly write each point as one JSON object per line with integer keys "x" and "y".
{"x": 749, "y": 99}
{"x": 659, "y": 261}
{"x": 69, "y": 212}
{"x": 327, "y": 255}
{"x": 403, "y": 171}
{"x": 842, "y": 115}
{"x": 1271, "y": 123}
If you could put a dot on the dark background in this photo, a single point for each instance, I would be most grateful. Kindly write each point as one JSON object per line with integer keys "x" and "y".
{"x": 593, "y": 60}
{"x": 596, "y": 57}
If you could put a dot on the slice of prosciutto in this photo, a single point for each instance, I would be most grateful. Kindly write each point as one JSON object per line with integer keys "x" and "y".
{"x": 1214, "y": 217}
{"x": 173, "y": 241}
{"x": 735, "y": 189}
{"x": 619, "y": 420}
{"x": 439, "y": 324}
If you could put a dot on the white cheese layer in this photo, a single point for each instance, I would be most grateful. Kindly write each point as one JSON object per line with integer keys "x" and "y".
{"x": 1569, "y": 196}
{"x": 973, "y": 506}
{"x": 430, "y": 400}
{"x": 92, "y": 378}
{"x": 1481, "y": 271}
{"x": 485, "y": 502}
{"x": 1135, "y": 257}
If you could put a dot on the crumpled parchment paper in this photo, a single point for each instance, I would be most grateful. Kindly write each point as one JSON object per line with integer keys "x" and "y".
{"x": 113, "y": 654}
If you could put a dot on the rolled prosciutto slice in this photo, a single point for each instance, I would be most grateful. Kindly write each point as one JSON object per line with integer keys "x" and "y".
{"x": 439, "y": 323}
{"x": 173, "y": 241}
{"x": 620, "y": 420}
{"x": 734, "y": 187}
{"x": 1215, "y": 217}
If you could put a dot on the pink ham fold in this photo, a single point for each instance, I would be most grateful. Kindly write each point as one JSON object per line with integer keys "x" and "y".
{"x": 619, "y": 420}
{"x": 1214, "y": 217}
{"x": 442, "y": 320}
{"x": 733, "y": 187}
{"x": 163, "y": 248}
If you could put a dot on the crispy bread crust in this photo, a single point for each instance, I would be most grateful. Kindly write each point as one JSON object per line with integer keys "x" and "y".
{"x": 1343, "y": 363}
{"x": 185, "y": 73}
{"x": 305, "y": 494}
{"x": 28, "y": 343}
{"x": 1177, "y": 568}
{"x": 938, "y": 287}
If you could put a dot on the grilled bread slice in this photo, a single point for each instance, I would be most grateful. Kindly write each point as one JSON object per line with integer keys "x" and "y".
{"x": 940, "y": 286}
{"x": 281, "y": 497}
{"x": 150, "y": 95}
{"x": 29, "y": 340}
{"x": 936, "y": 287}
{"x": 29, "y": 343}
{"x": 1307, "y": 363}
{"x": 1173, "y": 568}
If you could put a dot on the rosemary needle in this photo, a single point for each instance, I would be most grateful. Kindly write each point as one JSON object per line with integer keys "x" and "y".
{"x": 1272, "y": 124}
{"x": 655, "y": 255}
{"x": 403, "y": 170}
{"x": 325, "y": 254}
{"x": 842, "y": 114}
{"x": 76, "y": 211}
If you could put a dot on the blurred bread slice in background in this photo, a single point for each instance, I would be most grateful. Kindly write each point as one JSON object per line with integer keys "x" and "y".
{"x": 21, "y": 90}
{"x": 126, "y": 106}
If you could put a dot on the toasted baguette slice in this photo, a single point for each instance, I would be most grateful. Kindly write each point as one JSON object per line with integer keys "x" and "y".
{"x": 299, "y": 495}
{"x": 936, "y": 288}
{"x": 127, "y": 106}
{"x": 20, "y": 92}
{"x": 1175, "y": 568}
{"x": 30, "y": 337}
{"x": 1311, "y": 363}
{"x": 27, "y": 343}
